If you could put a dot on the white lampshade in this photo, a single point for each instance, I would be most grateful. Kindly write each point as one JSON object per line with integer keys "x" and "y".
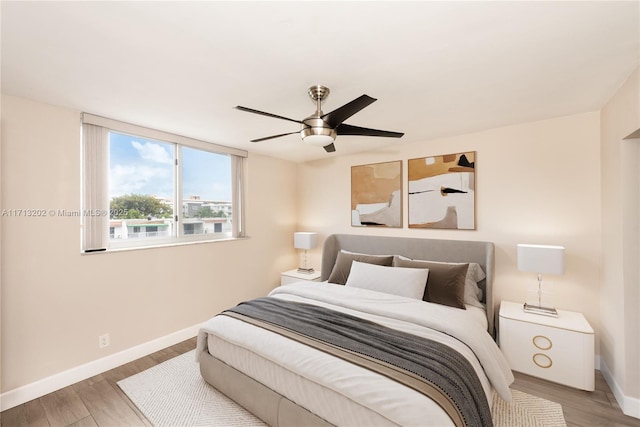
{"x": 305, "y": 240}
{"x": 541, "y": 259}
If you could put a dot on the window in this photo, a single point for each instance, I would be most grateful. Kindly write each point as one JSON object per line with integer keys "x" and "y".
{"x": 144, "y": 187}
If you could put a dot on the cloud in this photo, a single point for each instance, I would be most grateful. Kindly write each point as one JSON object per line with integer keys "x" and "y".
{"x": 140, "y": 179}
{"x": 153, "y": 152}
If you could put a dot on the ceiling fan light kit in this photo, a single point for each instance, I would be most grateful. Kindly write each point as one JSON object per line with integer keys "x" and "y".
{"x": 317, "y": 140}
{"x": 315, "y": 133}
{"x": 321, "y": 129}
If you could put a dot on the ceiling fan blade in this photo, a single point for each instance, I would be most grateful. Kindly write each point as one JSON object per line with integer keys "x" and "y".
{"x": 273, "y": 136}
{"x": 340, "y": 114}
{"x": 344, "y": 129}
{"x": 330, "y": 148}
{"x": 251, "y": 110}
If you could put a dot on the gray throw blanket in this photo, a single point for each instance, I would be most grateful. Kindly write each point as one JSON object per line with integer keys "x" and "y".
{"x": 427, "y": 366}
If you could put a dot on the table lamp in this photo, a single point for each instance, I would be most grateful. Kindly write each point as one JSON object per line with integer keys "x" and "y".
{"x": 306, "y": 241}
{"x": 541, "y": 259}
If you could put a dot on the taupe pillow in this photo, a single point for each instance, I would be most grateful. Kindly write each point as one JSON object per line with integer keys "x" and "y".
{"x": 445, "y": 283}
{"x": 342, "y": 267}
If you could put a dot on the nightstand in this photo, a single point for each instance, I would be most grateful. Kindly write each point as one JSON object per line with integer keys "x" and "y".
{"x": 293, "y": 276}
{"x": 559, "y": 349}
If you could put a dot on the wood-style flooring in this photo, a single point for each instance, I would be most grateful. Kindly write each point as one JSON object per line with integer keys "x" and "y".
{"x": 98, "y": 401}
{"x": 581, "y": 408}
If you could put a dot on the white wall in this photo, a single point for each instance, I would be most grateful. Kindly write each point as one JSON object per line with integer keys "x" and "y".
{"x": 55, "y": 301}
{"x": 620, "y": 294}
{"x": 536, "y": 183}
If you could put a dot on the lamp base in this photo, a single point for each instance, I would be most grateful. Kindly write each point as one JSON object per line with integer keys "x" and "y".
{"x": 536, "y": 309}
{"x": 306, "y": 270}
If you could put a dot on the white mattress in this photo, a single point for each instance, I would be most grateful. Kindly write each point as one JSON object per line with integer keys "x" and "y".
{"x": 330, "y": 387}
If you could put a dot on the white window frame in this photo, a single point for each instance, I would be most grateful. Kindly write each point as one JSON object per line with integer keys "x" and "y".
{"x": 95, "y": 191}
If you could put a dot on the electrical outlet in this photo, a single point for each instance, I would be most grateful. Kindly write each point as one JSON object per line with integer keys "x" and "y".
{"x": 103, "y": 340}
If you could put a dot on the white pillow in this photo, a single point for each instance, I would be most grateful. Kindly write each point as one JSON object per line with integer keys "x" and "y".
{"x": 472, "y": 292}
{"x": 404, "y": 282}
{"x": 475, "y": 274}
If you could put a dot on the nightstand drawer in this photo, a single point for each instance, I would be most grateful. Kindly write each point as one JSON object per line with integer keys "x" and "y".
{"x": 555, "y": 354}
{"x": 538, "y": 350}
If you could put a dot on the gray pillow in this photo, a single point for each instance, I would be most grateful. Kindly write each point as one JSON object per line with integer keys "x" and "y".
{"x": 445, "y": 283}
{"x": 342, "y": 267}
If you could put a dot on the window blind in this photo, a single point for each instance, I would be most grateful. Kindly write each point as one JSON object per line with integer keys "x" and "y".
{"x": 95, "y": 191}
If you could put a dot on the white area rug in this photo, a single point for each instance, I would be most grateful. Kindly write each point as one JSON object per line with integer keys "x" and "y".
{"x": 527, "y": 410}
{"x": 174, "y": 394}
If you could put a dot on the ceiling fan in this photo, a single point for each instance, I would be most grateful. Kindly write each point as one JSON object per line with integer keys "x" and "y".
{"x": 321, "y": 129}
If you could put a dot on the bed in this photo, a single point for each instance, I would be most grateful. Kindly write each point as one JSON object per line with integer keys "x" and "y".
{"x": 289, "y": 375}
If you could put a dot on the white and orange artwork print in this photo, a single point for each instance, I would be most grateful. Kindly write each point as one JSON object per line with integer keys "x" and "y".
{"x": 442, "y": 191}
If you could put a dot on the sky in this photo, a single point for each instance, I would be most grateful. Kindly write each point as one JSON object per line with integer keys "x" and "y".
{"x": 144, "y": 166}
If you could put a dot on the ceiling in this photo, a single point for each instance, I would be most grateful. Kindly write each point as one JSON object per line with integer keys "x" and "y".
{"x": 437, "y": 68}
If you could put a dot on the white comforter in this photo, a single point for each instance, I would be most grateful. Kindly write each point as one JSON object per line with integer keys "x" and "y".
{"x": 336, "y": 390}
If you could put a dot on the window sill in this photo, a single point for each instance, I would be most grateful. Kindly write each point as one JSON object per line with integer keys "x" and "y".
{"x": 165, "y": 245}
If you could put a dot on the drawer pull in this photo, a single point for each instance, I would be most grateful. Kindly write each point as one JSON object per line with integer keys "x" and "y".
{"x": 542, "y": 342}
{"x": 542, "y": 360}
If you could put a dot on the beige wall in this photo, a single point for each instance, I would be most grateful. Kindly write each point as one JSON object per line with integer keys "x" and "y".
{"x": 536, "y": 183}
{"x": 620, "y": 294}
{"x": 55, "y": 302}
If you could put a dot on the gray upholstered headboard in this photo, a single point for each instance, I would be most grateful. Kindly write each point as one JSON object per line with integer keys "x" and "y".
{"x": 416, "y": 248}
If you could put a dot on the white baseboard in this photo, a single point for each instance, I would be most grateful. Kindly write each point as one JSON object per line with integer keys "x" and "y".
{"x": 629, "y": 405}
{"x": 63, "y": 379}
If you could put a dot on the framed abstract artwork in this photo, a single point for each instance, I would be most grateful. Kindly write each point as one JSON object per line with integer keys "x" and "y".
{"x": 376, "y": 195}
{"x": 442, "y": 191}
